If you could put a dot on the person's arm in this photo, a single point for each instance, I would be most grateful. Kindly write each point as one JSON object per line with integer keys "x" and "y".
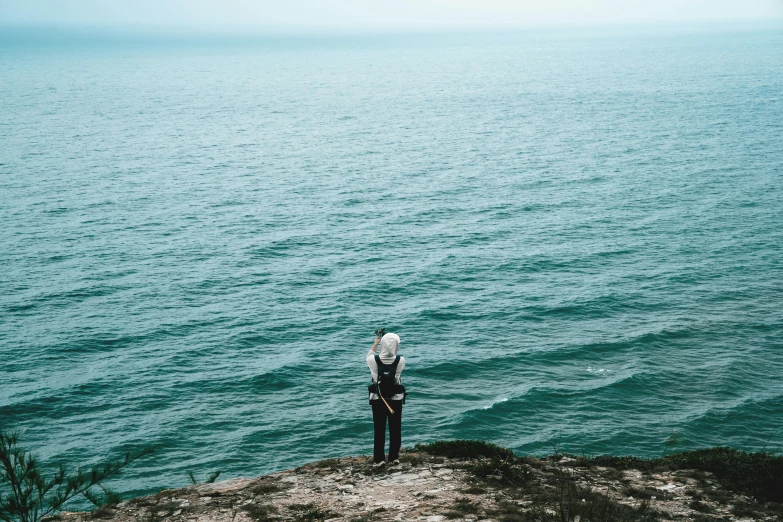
{"x": 374, "y": 345}
{"x": 371, "y": 360}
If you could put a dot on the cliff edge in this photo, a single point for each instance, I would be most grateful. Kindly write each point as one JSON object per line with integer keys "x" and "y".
{"x": 465, "y": 480}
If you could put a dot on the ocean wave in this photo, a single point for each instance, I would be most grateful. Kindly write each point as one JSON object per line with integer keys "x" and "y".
{"x": 496, "y": 401}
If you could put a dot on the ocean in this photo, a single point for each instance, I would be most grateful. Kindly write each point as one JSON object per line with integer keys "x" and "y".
{"x": 576, "y": 235}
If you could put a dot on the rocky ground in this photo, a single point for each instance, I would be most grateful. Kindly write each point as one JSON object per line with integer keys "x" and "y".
{"x": 434, "y": 488}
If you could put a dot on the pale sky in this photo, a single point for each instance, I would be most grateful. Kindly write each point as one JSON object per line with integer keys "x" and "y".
{"x": 380, "y": 14}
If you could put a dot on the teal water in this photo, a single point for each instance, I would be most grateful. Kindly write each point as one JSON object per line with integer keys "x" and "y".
{"x": 577, "y": 238}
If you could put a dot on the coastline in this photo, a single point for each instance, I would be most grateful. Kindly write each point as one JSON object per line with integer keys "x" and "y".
{"x": 476, "y": 481}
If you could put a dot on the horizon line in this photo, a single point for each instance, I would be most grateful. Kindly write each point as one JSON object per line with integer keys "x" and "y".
{"x": 236, "y": 30}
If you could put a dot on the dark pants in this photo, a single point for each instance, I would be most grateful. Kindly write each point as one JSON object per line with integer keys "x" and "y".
{"x": 379, "y": 415}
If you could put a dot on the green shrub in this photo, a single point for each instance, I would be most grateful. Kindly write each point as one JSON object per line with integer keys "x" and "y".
{"x": 465, "y": 449}
{"x": 759, "y": 475}
{"x": 26, "y": 495}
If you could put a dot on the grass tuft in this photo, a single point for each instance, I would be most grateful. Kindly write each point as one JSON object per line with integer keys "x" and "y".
{"x": 102, "y": 512}
{"x": 509, "y": 473}
{"x": 412, "y": 459}
{"x": 328, "y": 463}
{"x": 260, "y": 513}
{"x": 309, "y": 512}
{"x": 474, "y": 490}
{"x": 265, "y": 487}
{"x": 701, "y": 507}
{"x": 466, "y": 506}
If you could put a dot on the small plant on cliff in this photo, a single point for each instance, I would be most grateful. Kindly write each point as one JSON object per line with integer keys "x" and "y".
{"x": 672, "y": 441}
{"x": 463, "y": 506}
{"x": 260, "y": 513}
{"x": 26, "y": 495}
{"x": 309, "y": 512}
{"x": 104, "y": 501}
{"x": 209, "y": 480}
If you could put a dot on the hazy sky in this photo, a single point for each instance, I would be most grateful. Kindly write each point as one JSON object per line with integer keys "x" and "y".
{"x": 372, "y": 14}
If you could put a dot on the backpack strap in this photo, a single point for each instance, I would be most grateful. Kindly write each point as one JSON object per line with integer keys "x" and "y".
{"x": 377, "y": 384}
{"x": 393, "y": 365}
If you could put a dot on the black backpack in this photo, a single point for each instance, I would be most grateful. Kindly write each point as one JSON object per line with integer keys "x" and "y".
{"x": 387, "y": 374}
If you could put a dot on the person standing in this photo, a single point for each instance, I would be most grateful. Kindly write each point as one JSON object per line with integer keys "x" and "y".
{"x": 387, "y": 404}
